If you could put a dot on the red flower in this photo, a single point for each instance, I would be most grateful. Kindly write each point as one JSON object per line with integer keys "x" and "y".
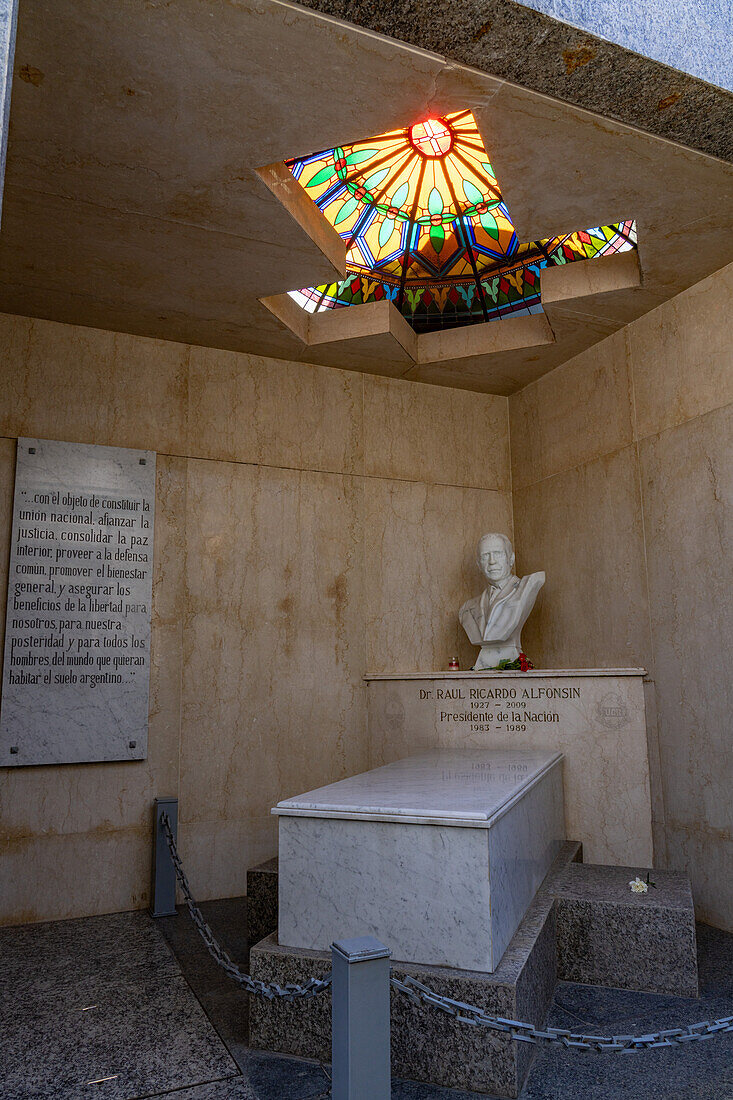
{"x": 525, "y": 665}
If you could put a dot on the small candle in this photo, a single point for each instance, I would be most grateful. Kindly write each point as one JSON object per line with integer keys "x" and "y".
{"x": 453, "y": 665}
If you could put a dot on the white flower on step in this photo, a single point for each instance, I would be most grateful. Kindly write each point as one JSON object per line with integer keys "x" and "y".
{"x": 638, "y": 886}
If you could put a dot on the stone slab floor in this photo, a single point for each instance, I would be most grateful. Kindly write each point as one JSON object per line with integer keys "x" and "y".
{"x": 122, "y": 1007}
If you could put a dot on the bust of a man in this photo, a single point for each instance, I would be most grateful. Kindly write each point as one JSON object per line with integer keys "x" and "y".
{"x": 494, "y": 619}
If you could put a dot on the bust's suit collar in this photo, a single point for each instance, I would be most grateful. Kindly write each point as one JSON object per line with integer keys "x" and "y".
{"x": 490, "y": 597}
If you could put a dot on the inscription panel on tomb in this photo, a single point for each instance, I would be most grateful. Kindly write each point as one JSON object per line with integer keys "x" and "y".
{"x": 510, "y": 709}
{"x": 596, "y": 718}
{"x": 76, "y": 663}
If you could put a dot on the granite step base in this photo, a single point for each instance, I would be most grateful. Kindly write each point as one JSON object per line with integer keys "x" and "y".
{"x": 607, "y": 935}
{"x": 426, "y": 1044}
{"x": 584, "y": 925}
{"x": 261, "y": 900}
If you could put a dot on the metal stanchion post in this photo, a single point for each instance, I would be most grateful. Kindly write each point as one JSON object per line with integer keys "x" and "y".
{"x": 360, "y": 1020}
{"x": 163, "y": 886}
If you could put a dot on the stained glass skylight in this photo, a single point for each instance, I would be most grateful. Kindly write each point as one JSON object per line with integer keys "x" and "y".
{"x": 426, "y": 227}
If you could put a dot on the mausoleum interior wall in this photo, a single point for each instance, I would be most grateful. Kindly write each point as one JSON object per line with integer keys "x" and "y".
{"x": 622, "y": 464}
{"x": 311, "y": 523}
{"x": 314, "y": 523}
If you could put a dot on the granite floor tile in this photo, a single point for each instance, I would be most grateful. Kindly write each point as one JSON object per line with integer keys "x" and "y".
{"x": 144, "y": 1038}
{"x": 274, "y": 1077}
{"x": 660, "y": 1073}
{"x": 57, "y": 956}
{"x": 414, "y": 1090}
{"x": 228, "y": 1011}
{"x": 100, "y": 1002}
{"x": 697, "y": 1071}
{"x": 234, "y": 1088}
{"x": 228, "y": 920}
{"x": 284, "y": 1077}
{"x": 225, "y": 1004}
{"x": 264, "y": 1077}
{"x": 149, "y": 1035}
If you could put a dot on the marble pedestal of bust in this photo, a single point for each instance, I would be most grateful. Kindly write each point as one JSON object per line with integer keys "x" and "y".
{"x": 494, "y": 620}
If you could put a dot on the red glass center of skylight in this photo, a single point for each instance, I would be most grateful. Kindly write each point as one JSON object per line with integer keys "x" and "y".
{"x": 432, "y": 138}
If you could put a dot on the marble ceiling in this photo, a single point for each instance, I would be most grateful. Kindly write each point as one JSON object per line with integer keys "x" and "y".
{"x": 138, "y": 196}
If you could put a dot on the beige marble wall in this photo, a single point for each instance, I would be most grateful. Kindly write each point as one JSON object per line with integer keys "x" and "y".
{"x": 273, "y": 659}
{"x": 438, "y": 478}
{"x": 75, "y": 839}
{"x": 420, "y": 544}
{"x": 622, "y": 463}
{"x": 313, "y": 524}
{"x": 584, "y": 528}
{"x": 687, "y": 486}
{"x": 290, "y": 499}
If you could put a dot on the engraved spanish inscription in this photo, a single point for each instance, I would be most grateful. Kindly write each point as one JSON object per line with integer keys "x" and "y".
{"x": 499, "y": 709}
{"x": 77, "y": 640}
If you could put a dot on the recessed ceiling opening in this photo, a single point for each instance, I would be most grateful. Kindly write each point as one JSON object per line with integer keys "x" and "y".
{"x": 426, "y": 228}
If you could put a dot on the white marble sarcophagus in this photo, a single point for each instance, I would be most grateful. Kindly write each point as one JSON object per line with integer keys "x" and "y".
{"x": 438, "y": 855}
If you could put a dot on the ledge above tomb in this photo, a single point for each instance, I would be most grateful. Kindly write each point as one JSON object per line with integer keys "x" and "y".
{"x": 489, "y": 675}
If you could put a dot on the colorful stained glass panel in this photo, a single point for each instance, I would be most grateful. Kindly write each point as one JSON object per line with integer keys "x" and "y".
{"x": 426, "y": 227}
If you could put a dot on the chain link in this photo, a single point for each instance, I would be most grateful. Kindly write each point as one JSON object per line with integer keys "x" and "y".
{"x": 421, "y": 994}
{"x": 270, "y": 990}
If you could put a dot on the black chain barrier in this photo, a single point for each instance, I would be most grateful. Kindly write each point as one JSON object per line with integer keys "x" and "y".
{"x": 270, "y": 990}
{"x": 422, "y": 995}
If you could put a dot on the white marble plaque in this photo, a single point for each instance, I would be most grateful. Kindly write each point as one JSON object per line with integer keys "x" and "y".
{"x": 77, "y": 639}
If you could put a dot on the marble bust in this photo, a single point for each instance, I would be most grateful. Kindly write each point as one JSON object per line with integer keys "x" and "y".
{"x": 494, "y": 619}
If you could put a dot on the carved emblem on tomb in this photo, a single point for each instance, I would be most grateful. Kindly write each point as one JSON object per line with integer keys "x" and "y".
{"x": 612, "y": 712}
